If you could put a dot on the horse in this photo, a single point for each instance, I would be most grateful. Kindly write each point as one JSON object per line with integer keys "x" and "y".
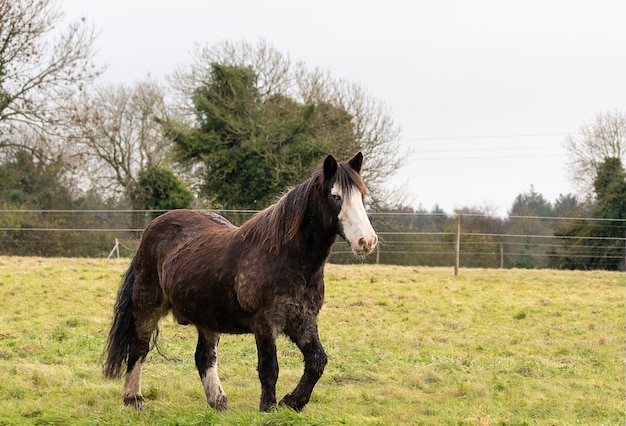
{"x": 265, "y": 278}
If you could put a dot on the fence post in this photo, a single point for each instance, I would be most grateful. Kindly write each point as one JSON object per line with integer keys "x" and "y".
{"x": 116, "y": 248}
{"x": 457, "y": 245}
{"x": 501, "y": 255}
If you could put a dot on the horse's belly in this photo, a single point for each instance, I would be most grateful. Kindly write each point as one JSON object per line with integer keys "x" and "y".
{"x": 207, "y": 306}
{"x": 221, "y": 326}
{"x": 211, "y": 318}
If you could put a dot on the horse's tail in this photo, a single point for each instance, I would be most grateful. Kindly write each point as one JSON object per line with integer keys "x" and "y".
{"x": 122, "y": 333}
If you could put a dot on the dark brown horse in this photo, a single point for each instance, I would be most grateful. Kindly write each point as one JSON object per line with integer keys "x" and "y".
{"x": 265, "y": 277}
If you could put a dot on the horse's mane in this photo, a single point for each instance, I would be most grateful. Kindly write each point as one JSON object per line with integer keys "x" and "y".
{"x": 279, "y": 223}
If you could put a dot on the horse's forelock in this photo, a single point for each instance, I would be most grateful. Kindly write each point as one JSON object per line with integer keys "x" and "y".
{"x": 348, "y": 178}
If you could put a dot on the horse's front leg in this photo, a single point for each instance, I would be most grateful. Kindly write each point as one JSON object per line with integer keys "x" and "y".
{"x": 314, "y": 362}
{"x": 206, "y": 362}
{"x": 265, "y": 336}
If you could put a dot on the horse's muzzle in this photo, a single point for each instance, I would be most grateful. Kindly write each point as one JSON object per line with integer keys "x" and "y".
{"x": 365, "y": 245}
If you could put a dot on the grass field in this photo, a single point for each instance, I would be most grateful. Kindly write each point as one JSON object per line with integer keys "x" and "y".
{"x": 405, "y": 346}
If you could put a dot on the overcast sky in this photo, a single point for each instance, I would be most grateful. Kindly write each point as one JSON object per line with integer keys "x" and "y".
{"x": 485, "y": 92}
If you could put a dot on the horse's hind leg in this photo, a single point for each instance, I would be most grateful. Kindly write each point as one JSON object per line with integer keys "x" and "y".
{"x": 136, "y": 356}
{"x": 149, "y": 305}
{"x": 206, "y": 362}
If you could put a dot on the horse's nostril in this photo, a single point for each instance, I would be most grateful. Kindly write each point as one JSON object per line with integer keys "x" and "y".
{"x": 363, "y": 244}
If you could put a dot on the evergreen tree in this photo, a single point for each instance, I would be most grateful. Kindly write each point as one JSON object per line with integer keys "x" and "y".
{"x": 534, "y": 213}
{"x": 32, "y": 193}
{"x": 28, "y": 183}
{"x": 599, "y": 244}
{"x": 569, "y": 206}
{"x": 161, "y": 189}
{"x": 250, "y": 147}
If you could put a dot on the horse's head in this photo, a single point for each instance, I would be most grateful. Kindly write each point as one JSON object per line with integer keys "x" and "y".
{"x": 346, "y": 195}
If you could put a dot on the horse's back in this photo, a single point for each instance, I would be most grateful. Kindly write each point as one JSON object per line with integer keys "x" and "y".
{"x": 180, "y": 239}
{"x": 190, "y": 220}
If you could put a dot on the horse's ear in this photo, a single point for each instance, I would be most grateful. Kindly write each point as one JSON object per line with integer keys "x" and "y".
{"x": 356, "y": 162}
{"x": 330, "y": 167}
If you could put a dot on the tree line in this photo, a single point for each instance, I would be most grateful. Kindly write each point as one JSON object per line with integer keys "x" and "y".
{"x": 536, "y": 233}
{"x": 230, "y": 130}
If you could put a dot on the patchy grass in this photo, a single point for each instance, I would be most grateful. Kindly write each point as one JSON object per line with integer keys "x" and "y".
{"x": 405, "y": 345}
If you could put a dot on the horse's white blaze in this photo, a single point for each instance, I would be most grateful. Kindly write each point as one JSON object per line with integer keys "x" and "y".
{"x": 357, "y": 228}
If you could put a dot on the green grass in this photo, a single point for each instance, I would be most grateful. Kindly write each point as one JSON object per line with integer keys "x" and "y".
{"x": 405, "y": 346}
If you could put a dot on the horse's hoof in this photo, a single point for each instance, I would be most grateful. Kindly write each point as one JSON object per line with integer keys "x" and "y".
{"x": 296, "y": 404}
{"x": 266, "y": 407}
{"x": 135, "y": 402}
{"x": 220, "y": 404}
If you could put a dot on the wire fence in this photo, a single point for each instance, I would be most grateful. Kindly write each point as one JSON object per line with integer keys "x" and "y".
{"x": 466, "y": 240}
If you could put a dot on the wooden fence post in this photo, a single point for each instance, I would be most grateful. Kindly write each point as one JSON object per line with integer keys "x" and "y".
{"x": 457, "y": 245}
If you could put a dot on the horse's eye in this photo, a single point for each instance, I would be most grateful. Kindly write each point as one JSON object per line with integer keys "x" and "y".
{"x": 336, "y": 197}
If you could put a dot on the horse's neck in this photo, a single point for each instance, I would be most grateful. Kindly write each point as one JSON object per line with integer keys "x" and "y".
{"x": 315, "y": 239}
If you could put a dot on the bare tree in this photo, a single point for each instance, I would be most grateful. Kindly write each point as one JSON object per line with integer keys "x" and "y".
{"x": 274, "y": 70}
{"x": 118, "y": 134}
{"x": 41, "y": 67}
{"x": 377, "y": 134}
{"x": 372, "y": 125}
{"x": 595, "y": 142}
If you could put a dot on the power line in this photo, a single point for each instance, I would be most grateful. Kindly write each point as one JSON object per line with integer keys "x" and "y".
{"x": 491, "y": 157}
{"x": 506, "y": 136}
{"x": 498, "y": 152}
{"x": 521, "y": 148}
